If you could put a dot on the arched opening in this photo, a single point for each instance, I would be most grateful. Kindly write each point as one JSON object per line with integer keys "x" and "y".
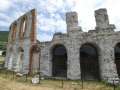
{"x": 10, "y": 62}
{"x": 20, "y": 60}
{"x": 14, "y": 29}
{"x": 59, "y": 61}
{"x": 34, "y": 63}
{"x": 23, "y": 27}
{"x": 89, "y": 62}
{"x": 10, "y": 59}
{"x": 117, "y": 58}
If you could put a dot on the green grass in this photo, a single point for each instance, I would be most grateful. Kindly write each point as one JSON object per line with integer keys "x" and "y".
{"x": 2, "y": 59}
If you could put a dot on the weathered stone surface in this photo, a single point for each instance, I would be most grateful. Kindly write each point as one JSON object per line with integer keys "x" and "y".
{"x": 22, "y": 38}
{"x": 101, "y": 18}
{"x": 113, "y": 81}
{"x": 104, "y": 38}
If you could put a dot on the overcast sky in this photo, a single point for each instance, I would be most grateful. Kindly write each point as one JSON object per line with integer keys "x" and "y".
{"x": 51, "y": 14}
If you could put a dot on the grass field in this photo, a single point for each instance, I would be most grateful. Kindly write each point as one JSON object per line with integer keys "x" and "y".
{"x": 1, "y": 59}
{"x": 7, "y": 82}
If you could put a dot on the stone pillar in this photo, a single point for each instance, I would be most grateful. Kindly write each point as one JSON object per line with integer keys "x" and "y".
{"x": 107, "y": 64}
{"x": 14, "y": 57}
{"x": 72, "y": 21}
{"x": 26, "y": 57}
{"x": 7, "y": 56}
{"x": 73, "y": 70}
{"x": 46, "y": 60}
{"x": 101, "y": 18}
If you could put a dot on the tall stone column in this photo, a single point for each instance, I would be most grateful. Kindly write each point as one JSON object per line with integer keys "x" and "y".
{"x": 107, "y": 64}
{"x": 73, "y": 63}
{"x": 72, "y": 22}
{"x": 102, "y": 20}
{"x": 45, "y": 60}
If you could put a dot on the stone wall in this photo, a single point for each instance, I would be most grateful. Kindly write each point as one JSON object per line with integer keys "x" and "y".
{"x": 24, "y": 53}
{"x": 22, "y": 37}
{"x": 104, "y": 38}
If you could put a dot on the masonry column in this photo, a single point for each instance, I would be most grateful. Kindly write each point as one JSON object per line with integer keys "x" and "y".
{"x": 72, "y": 22}
{"x": 107, "y": 64}
{"x": 73, "y": 62}
{"x": 102, "y": 20}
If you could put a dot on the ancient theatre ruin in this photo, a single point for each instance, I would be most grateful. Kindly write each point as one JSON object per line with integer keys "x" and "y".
{"x": 73, "y": 55}
{"x": 22, "y": 47}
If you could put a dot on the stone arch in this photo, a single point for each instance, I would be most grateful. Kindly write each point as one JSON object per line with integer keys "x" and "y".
{"x": 59, "y": 60}
{"x": 10, "y": 59}
{"x": 20, "y": 59}
{"x": 23, "y": 27}
{"x": 117, "y": 57}
{"x": 89, "y": 61}
{"x": 14, "y": 30}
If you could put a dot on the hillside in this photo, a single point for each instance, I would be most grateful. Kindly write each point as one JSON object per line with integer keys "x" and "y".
{"x": 3, "y": 39}
{"x": 3, "y": 36}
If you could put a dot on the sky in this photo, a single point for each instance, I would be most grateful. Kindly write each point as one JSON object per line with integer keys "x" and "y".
{"x": 51, "y": 14}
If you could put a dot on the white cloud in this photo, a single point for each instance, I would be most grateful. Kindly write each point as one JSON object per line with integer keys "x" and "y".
{"x": 3, "y": 23}
{"x": 5, "y": 4}
{"x": 51, "y": 13}
{"x": 52, "y": 6}
{"x": 44, "y": 37}
{"x": 60, "y": 26}
{"x": 5, "y": 17}
{"x": 114, "y": 14}
{"x": 54, "y": 24}
{"x": 47, "y": 24}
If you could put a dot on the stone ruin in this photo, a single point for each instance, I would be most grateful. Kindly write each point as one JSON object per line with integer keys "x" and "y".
{"x": 22, "y": 44}
{"x": 73, "y": 55}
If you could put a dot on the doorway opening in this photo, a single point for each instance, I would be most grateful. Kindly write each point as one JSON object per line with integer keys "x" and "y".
{"x": 89, "y": 62}
{"x": 59, "y": 61}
